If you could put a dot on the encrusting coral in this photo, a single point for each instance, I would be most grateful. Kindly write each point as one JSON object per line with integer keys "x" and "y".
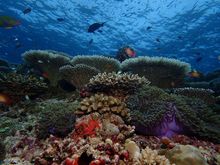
{"x": 123, "y": 83}
{"x": 102, "y": 63}
{"x": 162, "y": 72}
{"x": 46, "y": 62}
{"x": 154, "y": 112}
{"x": 103, "y": 104}
{"x": 78, "y": 75}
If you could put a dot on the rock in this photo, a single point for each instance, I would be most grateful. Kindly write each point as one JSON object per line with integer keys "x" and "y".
{"x": 185, "y": 155}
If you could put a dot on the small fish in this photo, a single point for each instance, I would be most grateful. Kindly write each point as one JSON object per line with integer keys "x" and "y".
{"x": 157, "y": 39}
{"x": 92, "y": 28}
{"x": 100, "y": 31}
{"x": 130, "y": 52}
{"x": 60, "y": 19}
{"x": 194, "y": 74}
{"x": 198, "y": 59}
{"x": 180, "y": 37}
{"x": 149, "y": 27}
{"x": 90, "y": 41}
{"x": 27, "y": 10}
{"x": 5, "y": 99}
{"x": 8, "y": 22}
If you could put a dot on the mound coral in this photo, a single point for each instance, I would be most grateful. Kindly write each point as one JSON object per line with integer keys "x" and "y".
{"x": 161, "y": 72}
{"x": 185, "y": 154}
{"x": 204, "y": 94}
{"x": 46, "y": 62}
{"x": 154, "y": 112}
{"x": 116, "y": 83}
{"x": 56, "y": 118}
{"x": 102, "y": 63}
{"x": 16, "y": 86}
{"x": 103, "y": 104}
{"x": 78, "y": 75}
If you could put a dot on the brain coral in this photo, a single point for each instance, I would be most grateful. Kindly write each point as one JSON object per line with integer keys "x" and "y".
{"x": 162, "y": 72}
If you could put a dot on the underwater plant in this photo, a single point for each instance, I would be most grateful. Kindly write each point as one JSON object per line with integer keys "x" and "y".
{"x": 102, "y": 63}
{"x": 160, "y": 71}
{"x": 78, "y": 75}
{"x": 47, "y": 62}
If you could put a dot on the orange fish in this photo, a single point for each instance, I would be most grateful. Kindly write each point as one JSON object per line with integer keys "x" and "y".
{"x": 194, "y": 74}
{"x": 130, "y": 52}
{"x": 4, "y": 99}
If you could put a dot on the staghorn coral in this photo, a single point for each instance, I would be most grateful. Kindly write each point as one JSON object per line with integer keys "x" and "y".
{"x": 102, "y": 63}
{"x": 103, "y": 104}
{"x": 16, "y": 86}
{"x": 56, "y": 118}
{"x": 161, "y": 72}
{"x": 154, "y": 112}
{"x": 47, "y": 62}
{"x": 79, "y": 75}
{"x": 204, "y": 94}
{"x": 116, "y": 83}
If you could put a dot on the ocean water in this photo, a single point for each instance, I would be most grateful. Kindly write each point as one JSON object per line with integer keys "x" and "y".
{"x": 187, "y": 30}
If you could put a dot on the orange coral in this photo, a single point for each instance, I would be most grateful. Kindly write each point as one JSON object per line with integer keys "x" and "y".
{"x": 87, "y": 128}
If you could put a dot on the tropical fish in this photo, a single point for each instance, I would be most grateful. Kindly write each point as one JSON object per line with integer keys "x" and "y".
{"x": 92, "y": 28}
{"x": 4, "y": 99}
{"x": 60, "y": 19}
{"x": 130, "y": 52}
{"x": 194, "y": 74}
{"x": 157, "y": 39}
{"x": 27, "y": 10}
{"x": 8, "y": 22}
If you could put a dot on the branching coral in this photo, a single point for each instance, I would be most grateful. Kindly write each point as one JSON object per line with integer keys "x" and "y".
{"x": 102, "y": 63}
{"x": 79, "y": 75}
{"x": 200, "y": 93}
{"x": 161, "y": 72}
{"x": 155, "y": 112}
{"x": 16, "y": 86}
{"x": 47, "y": 62}
{"x": 103, "y": 104}
{"x": 116, "y": 83}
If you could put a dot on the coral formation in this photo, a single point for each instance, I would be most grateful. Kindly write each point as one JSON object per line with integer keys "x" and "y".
{"x": 2, "y": 150}
{"x": 46, "y": 62}
{"x": 78, "y": 75}
{"x": 16, "y": 86}
{"x": 204, "y": 94}
{"x": 185, "y": 154}
{"x": 102, "y": 63}
{"x": 103, "y": 104}
{"x": 154, "y": 112}
{"x": 161, "y": 72}
{"x": 116, "y": 83}
{"x": 56, "y": 118}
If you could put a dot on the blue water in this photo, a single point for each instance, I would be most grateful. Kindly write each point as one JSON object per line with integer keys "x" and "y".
{"x": 187, "y": 29}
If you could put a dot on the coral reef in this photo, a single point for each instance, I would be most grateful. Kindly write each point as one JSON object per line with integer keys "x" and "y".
{"x": 116, "y": 83}
{"x": 161, "y": 72}
{"x": 103, "y": 104}
{"x": 204, "y": 94}
{"x": 2, "y": 150}
{"x": 78, "y": 75}
{"x": 56, "y": 118}
{"x": 102, "y": 63}
{"x": 46, "y": 62}
{"x": 185, "y": 154}
{"x": 16, "y": 86}
{"x": 154, "y": 112}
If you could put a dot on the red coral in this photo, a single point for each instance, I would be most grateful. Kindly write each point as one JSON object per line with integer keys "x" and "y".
{"x": 87, "y": 128}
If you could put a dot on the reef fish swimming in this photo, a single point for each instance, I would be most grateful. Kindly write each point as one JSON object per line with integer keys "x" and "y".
{"x": 92, "y": 28}
{"x": 8, "y": 22}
